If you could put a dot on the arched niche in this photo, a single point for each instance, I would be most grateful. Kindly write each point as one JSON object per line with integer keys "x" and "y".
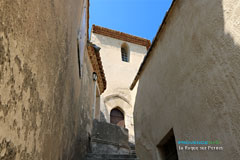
{"x": 117, "y": 117}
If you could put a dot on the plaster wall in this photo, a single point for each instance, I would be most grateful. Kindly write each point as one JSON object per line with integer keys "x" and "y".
{"x": 191, "y": 82}
{"x": 45, "y": 108}
{"x": 119, "y": 76}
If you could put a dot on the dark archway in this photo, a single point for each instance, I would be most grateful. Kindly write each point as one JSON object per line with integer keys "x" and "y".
{"x": 117, "y": 117}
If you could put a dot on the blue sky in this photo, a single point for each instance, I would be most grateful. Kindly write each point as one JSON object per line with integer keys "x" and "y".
{"x": 137, "y": 17}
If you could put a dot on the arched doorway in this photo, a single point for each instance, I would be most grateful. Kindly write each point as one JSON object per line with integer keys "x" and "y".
{"x": 117, "y": 117}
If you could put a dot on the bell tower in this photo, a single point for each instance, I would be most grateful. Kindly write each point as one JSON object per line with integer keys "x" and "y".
{"x": 121, "y": 55}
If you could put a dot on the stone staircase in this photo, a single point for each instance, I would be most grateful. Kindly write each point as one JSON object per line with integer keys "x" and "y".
{"x": 132, "y": 149}
{"x": 92, "y": 156}
{"x": 110, "y": 142}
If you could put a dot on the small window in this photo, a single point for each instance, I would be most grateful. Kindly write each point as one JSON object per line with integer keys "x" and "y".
{"x": 167, "y": 147}
{"x": 125, "y": 52}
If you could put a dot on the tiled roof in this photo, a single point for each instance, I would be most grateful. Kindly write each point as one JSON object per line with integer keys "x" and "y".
{"x": 95, "y": 59}
{"x": 121, "y": 36}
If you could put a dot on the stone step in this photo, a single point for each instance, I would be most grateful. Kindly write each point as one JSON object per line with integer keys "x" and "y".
{"x": 107, "y": 158}
{"x": 113, "y": 156}
{"x": 132, "y": 147}
{"x": 133, "y": 152}
{"x": 111, "y": 159}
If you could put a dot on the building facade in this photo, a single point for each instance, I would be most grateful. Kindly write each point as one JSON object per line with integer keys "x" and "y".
{"x": 47, "y": 90}
{"x": 121, "y": 55}
{"x": 189, "y": 84}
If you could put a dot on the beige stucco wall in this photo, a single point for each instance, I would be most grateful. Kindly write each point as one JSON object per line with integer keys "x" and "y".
{"x": 45, "y": 108}
{"x": 191, "y": 83}
{"x": 119, "y": 76}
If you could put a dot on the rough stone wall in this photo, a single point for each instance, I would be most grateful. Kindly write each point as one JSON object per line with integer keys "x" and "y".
{"x": 41, "y": 113}
{"x": 119, "y": 76}
{"x": 109, "y": 139}
{"x": 191, "y": 83}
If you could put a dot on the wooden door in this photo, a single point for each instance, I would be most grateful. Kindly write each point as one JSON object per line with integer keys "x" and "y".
{"x": 117, "y": 117}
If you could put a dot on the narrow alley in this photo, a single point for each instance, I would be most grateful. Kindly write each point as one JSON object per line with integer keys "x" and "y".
{"x": 119, "y": 80}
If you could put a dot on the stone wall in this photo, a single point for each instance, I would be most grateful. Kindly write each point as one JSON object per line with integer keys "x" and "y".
{"x": 109, "y": 139}
{"x": 44, "y": 105}
{"x": 191, "y": 81}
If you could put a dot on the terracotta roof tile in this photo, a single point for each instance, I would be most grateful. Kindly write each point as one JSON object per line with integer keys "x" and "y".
{"x": 97, "y": 67}
{"x": 121, "y": 36}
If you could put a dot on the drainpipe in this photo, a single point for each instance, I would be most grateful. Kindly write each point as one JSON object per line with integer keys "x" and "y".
{"x": 94, "y": 93}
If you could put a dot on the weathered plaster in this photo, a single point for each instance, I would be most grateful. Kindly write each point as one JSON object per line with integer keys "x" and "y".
{"x": 192, "y": 81}
{"x": 43, "y": 113}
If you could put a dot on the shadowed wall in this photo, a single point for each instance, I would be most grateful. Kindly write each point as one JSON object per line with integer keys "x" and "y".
{"x": 191, "y": 83}
{"x": 44, "y": 105}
